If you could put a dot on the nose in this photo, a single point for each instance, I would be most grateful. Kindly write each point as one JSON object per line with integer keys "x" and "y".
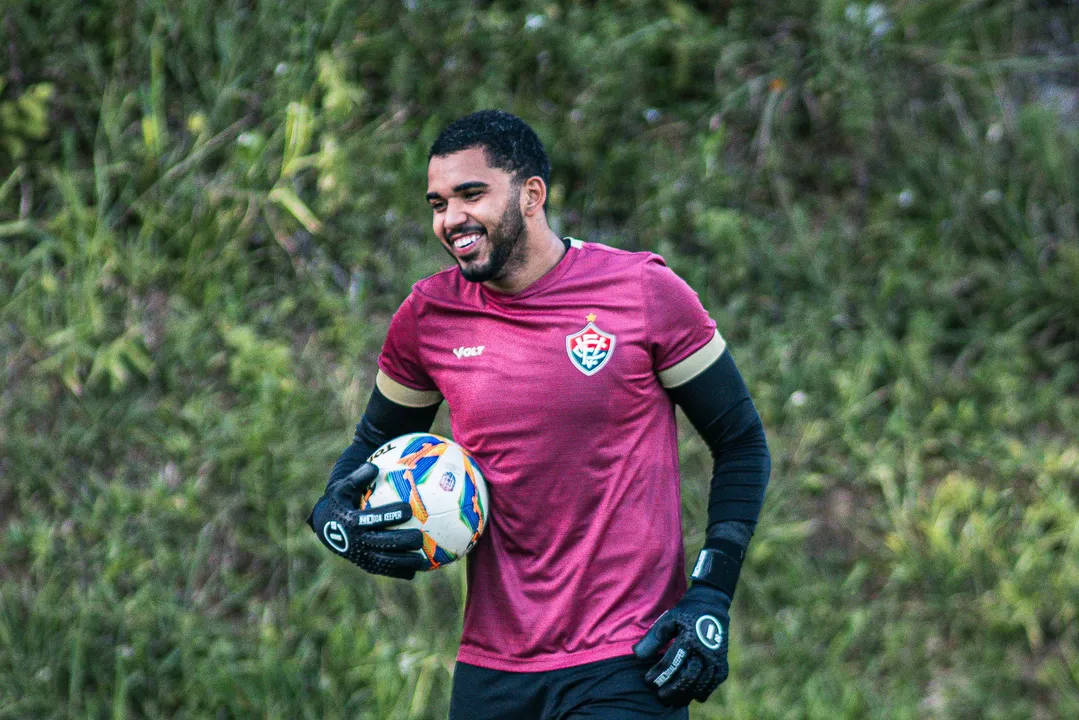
{"x": 455, "y": 215}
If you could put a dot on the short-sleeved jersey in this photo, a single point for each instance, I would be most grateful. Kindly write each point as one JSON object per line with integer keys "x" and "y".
{"x": 558, "y": 391}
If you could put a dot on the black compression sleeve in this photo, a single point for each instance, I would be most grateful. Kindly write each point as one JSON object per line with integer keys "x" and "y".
{"x": 382, "y": 421}
{"x": 718, "y": 405}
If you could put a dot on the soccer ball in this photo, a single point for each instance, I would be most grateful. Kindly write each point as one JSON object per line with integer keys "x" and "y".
{"x": 443, "y": 485}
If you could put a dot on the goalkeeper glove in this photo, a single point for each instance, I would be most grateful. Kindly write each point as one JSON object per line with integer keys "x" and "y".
{"x": 360, "y": 536}
{"x": 696, "y": 662}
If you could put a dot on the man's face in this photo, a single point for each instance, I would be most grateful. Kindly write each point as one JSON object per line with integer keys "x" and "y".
{"x": 477, "y": 214}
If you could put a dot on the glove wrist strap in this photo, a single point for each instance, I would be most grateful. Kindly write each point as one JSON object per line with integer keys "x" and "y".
{"x": 718, "y": 565}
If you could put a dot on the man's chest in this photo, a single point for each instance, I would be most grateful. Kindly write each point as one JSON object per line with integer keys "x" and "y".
{"x": 585, "y": 358}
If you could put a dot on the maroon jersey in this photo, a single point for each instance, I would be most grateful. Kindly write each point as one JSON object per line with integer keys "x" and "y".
{"x": 558, "y": 392}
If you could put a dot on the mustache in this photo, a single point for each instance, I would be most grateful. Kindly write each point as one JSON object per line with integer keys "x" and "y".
{"x": 464, "y": 230}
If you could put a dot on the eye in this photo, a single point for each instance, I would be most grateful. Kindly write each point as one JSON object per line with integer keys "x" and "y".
{"x": 438, "y": 206}
{"x": 473, "y": 195}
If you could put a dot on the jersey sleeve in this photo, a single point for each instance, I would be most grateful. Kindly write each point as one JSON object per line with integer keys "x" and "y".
{"x": 402, "y": 377}
{"x": 683, "y": 339}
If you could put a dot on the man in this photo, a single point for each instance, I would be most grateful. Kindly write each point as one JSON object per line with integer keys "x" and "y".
{"x": 577, "y": 587}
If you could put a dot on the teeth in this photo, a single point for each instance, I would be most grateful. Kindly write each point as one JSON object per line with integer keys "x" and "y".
{"x": 462, "y": 242}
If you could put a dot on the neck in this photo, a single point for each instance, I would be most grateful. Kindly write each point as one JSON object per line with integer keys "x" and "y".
{"x": 542, "y": 250}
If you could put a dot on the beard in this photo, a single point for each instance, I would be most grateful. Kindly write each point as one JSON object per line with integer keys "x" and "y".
{"x": 506, "y": 245}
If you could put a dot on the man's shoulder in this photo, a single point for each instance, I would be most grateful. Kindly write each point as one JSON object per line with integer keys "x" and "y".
{"x": 644, "y": 270}
{"x": 617, "y": 259}
{"x": 443, "y": 284}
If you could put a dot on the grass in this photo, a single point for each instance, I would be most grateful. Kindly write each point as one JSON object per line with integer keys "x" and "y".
{"x": 209, "y": 210}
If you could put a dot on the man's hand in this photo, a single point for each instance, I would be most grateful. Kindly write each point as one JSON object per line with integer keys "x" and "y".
{"x": 360, "y": 536}
{"x": 696, "y": 662}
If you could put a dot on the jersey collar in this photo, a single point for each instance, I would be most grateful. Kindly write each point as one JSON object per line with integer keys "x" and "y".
{"x": 552, "y": 276}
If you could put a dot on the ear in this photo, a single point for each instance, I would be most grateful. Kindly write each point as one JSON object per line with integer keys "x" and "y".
{"x": 533, "y": 195}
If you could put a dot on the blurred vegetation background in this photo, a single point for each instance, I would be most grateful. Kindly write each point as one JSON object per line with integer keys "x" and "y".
{"x": 210, "y": 208}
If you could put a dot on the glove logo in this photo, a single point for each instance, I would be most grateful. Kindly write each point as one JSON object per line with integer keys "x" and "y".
{"x": 335, "y": 536}
{"x": 675, "y": 664}
{"x": 709, "y": 632}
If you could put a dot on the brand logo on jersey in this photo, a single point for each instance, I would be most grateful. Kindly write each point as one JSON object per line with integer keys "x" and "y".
{"x": 335, "y": 536}
{"x": 590, "y": 348}
{"x": 463, "y": 352}
{"x": 709, "y": 632}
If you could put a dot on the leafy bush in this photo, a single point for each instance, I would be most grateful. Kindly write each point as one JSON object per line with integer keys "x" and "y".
{"x": 210, "y": 208}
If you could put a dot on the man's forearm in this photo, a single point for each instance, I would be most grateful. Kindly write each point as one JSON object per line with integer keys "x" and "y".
{"x": 382, "y": 421}
{"x": 740, "y": 471}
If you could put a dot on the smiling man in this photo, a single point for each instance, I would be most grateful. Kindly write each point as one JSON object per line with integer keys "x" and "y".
{"x": 490, "y": 218}
{"x": 561, "y": 362}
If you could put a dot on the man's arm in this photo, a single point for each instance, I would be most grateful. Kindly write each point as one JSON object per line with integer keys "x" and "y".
{"x": 712, "y": 393}
{"x": 718, "y": 405}
{"x": 363, "y": 537}
{"x": 393, "y": 410}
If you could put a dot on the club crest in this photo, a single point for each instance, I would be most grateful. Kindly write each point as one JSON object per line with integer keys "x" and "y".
{"x": 590, "y": 348}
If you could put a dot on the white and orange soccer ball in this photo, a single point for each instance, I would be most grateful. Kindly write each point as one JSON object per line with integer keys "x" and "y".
{"x": 444, "y": 486}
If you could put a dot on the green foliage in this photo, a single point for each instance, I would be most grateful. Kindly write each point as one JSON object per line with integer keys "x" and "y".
{"x": 24, "y": 118}
{"x": 210, "y": 208}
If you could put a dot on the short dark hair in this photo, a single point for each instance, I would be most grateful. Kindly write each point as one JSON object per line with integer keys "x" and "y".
{"x": 507, "y": 141}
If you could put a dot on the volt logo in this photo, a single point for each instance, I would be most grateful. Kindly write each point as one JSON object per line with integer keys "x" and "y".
{"x": 335, "y": 535}
{"x": 709, "y": 632}
{"x": 463, "y": 352}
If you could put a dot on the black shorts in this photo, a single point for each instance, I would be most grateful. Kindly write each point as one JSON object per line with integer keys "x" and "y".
{"x": 608, "y": 689}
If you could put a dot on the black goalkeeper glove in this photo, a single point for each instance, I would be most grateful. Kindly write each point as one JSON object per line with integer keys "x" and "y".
{"x": 360, "y": 536}
{"x": 696, "y": 662}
